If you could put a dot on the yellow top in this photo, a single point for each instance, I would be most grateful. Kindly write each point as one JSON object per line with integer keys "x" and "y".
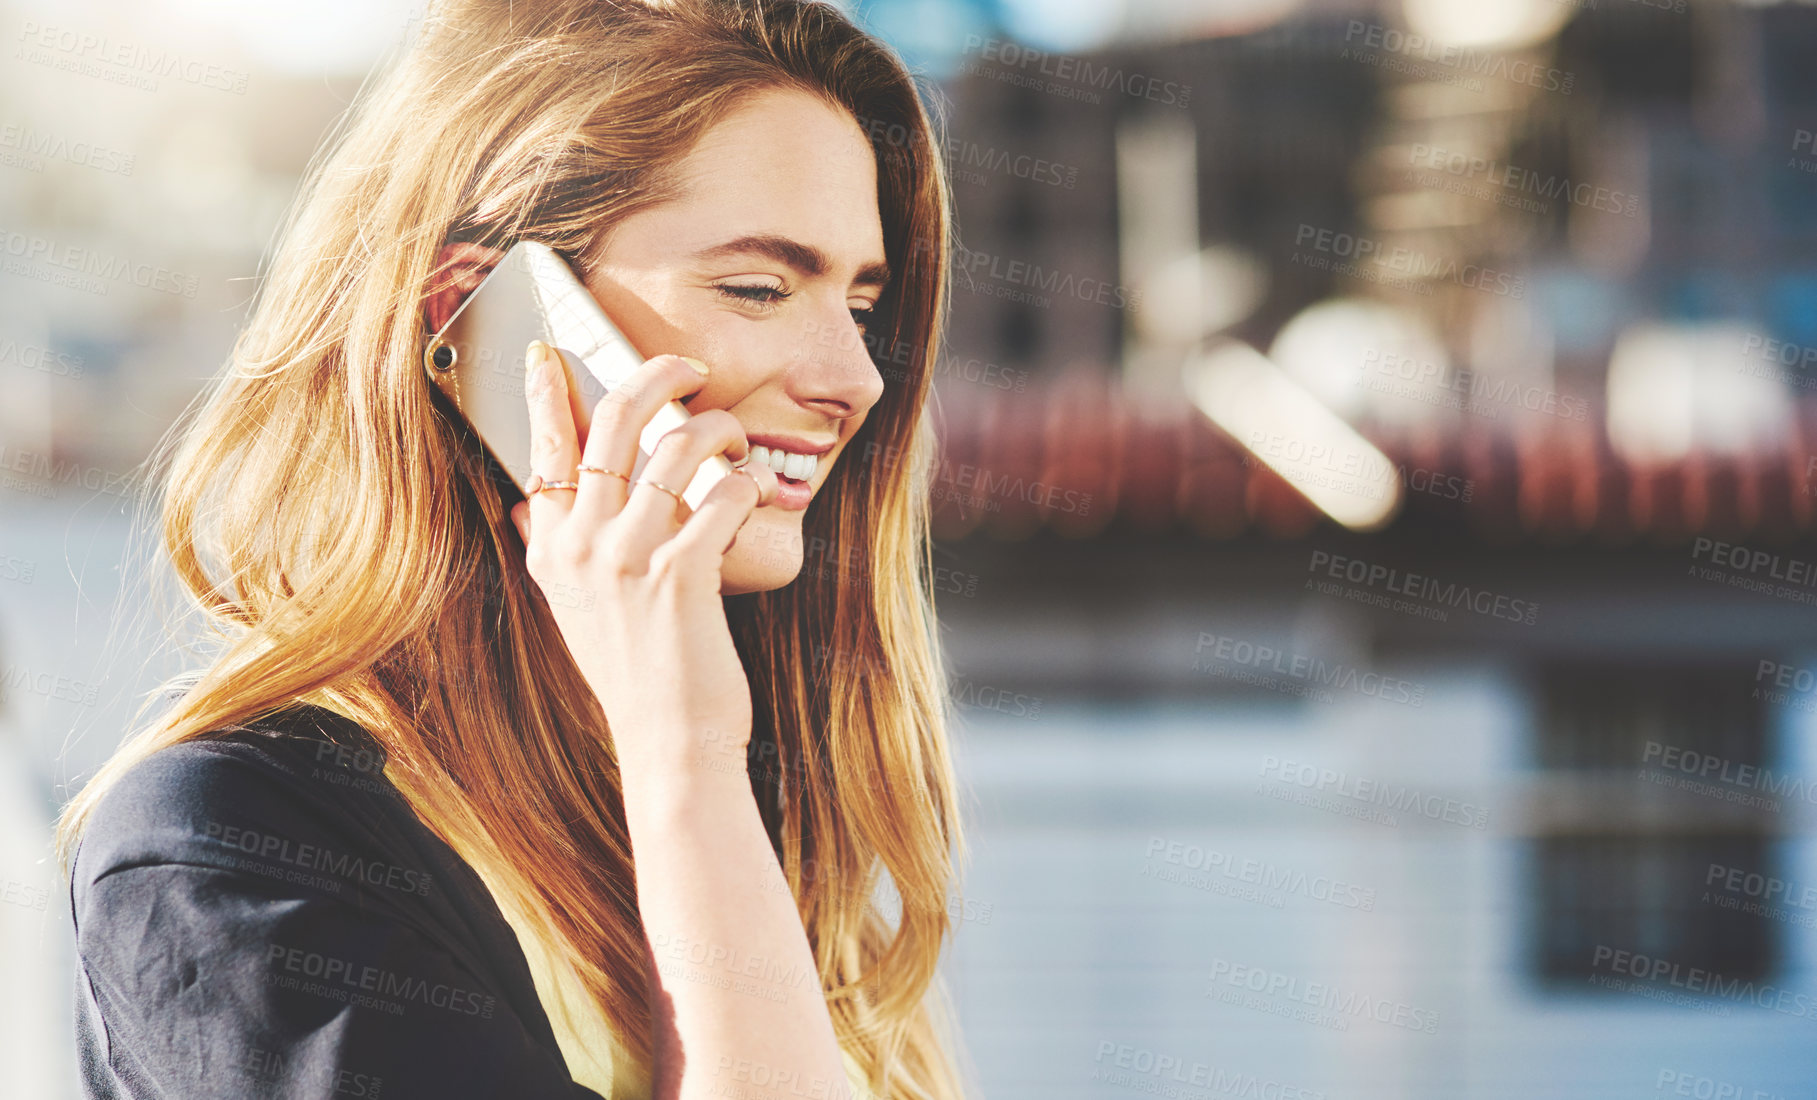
{"x": 595, "y": 1057}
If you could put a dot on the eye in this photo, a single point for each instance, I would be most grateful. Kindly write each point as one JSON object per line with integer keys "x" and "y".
{"x": 756, "y": 297}
{"x": 864, "y": 316}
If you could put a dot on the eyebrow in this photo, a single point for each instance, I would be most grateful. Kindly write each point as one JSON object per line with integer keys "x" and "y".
{"x": 804, "y": 258}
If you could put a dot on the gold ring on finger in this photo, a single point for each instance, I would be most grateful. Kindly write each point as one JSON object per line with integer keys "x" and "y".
{"x": 602, "y": 470}
{"x": 661, "y": 487}
{"x": 556, "y": 485}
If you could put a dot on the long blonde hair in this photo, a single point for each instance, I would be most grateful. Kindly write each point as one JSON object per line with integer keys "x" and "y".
{"x": 347, "y": 550}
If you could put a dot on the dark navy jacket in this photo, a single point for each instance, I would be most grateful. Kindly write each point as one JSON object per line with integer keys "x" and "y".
{"x": 264, "y": 916}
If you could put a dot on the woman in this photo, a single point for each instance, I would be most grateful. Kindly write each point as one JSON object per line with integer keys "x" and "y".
{"x": 384, "y": 843}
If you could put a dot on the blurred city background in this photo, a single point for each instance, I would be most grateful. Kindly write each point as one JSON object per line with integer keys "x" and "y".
{"x": 1375, "y": 521}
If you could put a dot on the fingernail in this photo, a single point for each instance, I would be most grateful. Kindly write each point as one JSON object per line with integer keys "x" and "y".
{"x": 534, "y": 359}
{"x": 695, "y": 363}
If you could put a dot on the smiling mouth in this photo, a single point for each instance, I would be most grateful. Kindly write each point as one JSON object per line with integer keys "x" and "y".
{"x": 789, "y": 465}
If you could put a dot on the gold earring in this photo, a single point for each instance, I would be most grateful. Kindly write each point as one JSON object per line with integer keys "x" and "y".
{"x": 439, "y": 356}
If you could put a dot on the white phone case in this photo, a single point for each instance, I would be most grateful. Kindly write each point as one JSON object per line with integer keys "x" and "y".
{"x": 477, "y": 359}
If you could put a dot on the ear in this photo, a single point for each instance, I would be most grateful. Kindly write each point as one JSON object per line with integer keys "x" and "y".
{"x": 459, "y": 268}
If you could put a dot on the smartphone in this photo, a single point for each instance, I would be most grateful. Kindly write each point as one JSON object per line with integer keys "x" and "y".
{"x": 477, "y": 360}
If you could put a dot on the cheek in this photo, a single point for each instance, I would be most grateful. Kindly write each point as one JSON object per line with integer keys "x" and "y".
{"x": 736, "y": 355}
{"x": 849, "y": 453}
{"x": 662, "y": 318}
{"x": 715, "y": 334}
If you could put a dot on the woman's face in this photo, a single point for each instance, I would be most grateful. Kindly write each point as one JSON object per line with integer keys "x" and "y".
{"x": 762, "y": 269}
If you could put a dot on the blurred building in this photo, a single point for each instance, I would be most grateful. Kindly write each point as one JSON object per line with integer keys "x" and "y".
{"x": 1561, "y": 291}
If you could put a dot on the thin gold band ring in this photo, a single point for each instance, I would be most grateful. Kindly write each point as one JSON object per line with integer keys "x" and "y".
{"x": 660, "y": 487}
{"x": 537, "y": 484}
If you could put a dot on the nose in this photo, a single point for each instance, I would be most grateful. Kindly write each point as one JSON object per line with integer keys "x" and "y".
{"x": 832, "y": 370}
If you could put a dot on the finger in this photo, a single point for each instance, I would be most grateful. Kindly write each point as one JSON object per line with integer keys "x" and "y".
{"x": 578, "y": 402}
{"x": 618, "y": 421}
{"x": 520, "y": 519}
{"x": 653, "y": 515}
{"x": 709, "y": 533}
{"x": 765, "y": 477}
{"x": 553, "y": 450}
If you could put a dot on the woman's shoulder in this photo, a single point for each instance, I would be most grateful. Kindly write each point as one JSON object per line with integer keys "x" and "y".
{"x": 299, "y": 787}
{"x": 262, "y": 895}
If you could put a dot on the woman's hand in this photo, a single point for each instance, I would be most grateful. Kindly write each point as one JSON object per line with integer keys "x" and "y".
{"x": 633, "y": 584}
{"x": 632, "y": 578}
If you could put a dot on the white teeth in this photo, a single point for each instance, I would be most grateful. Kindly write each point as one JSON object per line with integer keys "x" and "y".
{"x": 786, "y": 463}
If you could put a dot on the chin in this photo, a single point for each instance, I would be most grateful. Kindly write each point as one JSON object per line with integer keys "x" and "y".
{"x": 766, "y": 556}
